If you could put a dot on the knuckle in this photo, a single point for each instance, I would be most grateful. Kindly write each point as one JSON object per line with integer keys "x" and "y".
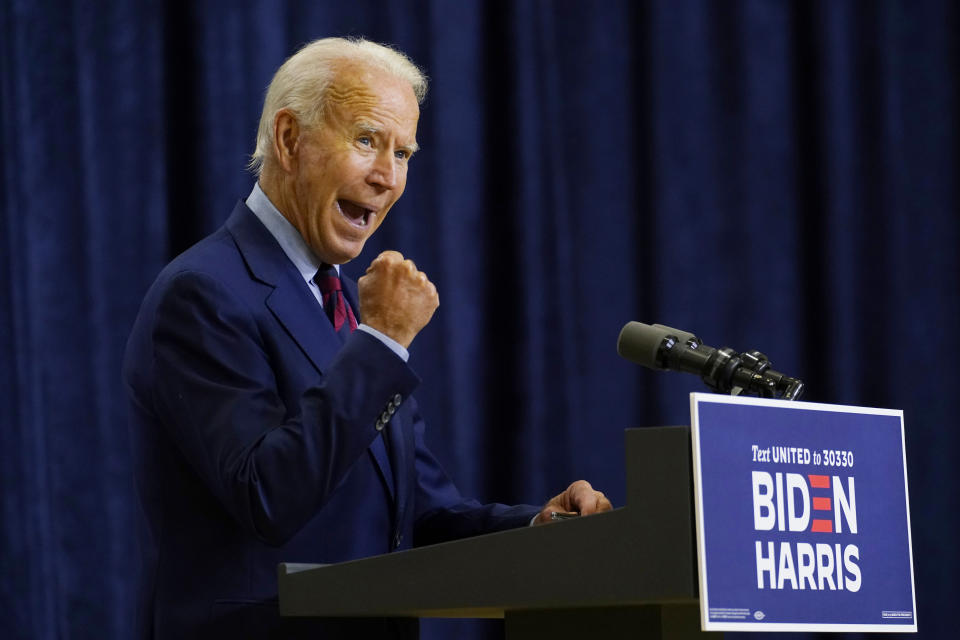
{"x": 390, "y": 256}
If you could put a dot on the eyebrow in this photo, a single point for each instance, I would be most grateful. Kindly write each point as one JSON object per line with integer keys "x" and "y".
{"x": 365, "y": 127}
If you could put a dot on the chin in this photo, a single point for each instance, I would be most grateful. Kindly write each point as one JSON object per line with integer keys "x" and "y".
{"x": 346, "y": 255}
{"x": 338, "y": 251}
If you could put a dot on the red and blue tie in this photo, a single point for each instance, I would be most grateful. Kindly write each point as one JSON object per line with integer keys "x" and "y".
{"x": 334, "y": 304}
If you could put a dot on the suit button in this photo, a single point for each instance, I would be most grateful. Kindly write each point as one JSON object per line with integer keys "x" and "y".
{"x": 392, "y": 409}
{"x": 397, "y": 399}
{"x": 379, "y": 424}
{"x": 397, "y": 539}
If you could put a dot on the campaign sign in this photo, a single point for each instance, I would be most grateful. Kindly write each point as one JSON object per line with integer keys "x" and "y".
{"x": 803, "y": 520}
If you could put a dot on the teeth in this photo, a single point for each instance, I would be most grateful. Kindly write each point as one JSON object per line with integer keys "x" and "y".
{"x": 356, "y": 214}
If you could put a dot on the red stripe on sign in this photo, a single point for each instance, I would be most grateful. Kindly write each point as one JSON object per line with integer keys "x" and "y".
{"x": 822, "y": 526}
{"x": 821, "y": 504}
{"x": 820, "y": 482}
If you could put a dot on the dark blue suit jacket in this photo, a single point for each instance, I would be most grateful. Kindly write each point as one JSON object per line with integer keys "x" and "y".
{"x": 254, "y": 437}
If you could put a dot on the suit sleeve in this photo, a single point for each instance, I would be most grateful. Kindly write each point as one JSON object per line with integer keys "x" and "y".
{"x": 443, "y": 514}
{"x": 272, "y": 466}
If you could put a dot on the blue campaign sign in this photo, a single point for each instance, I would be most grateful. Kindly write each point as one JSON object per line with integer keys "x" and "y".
{"x": 803, "y": 519}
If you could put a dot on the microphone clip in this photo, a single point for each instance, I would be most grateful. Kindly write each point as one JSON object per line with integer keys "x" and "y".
{"x": 726, "y": 371}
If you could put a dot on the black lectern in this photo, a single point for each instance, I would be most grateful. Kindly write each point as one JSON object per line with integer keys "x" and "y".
{"x": 635, "y": 575}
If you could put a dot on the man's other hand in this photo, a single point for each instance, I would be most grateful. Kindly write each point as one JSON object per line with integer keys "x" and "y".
{"x": 579, "y": 497}
{"x": 395, "y": 298}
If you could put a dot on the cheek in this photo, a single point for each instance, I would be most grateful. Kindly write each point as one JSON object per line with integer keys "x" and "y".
{"x": 318, "y": 193}
{"x": 401, "y": 185}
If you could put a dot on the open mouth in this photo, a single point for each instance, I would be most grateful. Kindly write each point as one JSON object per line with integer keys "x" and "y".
{"x": 356, "y": 214}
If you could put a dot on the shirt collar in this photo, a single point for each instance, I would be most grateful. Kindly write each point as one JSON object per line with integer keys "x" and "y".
{"x": 286, "y": 235}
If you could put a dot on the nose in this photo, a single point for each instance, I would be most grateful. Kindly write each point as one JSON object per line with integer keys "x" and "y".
{"x": 384, "y": 172}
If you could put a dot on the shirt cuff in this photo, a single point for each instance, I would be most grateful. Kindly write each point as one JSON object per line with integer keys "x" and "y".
{"x": 394, "y": 346}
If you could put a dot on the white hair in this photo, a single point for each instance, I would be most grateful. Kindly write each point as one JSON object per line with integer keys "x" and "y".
{"x": 301, "y": 83}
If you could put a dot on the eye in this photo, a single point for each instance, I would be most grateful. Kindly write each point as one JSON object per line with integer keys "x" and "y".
{"x": 365, "y": 140}
{"x": 401, "y": 154}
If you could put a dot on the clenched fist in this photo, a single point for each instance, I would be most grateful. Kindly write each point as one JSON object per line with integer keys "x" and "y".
{"x": 395, "y": 298}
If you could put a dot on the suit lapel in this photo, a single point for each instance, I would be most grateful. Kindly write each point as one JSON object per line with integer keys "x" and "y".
{"x": 303, "y": 318}
{"x": 291, "y": 302}
{"x": 297, "y": 310}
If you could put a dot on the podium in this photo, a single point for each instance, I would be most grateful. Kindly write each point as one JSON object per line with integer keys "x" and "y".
{"x": 626, "y": 573}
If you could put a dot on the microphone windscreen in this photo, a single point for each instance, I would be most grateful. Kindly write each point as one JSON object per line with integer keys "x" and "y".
{"x": 639, "y": 343}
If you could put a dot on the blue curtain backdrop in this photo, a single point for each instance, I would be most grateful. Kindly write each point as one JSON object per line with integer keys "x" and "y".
{"x": 772, "y": 175}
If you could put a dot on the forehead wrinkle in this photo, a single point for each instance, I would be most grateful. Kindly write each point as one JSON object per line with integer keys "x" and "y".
{"x": 365, "y": 105}
{"x": 354, "y": 92}
{"x": 356, "y": 104}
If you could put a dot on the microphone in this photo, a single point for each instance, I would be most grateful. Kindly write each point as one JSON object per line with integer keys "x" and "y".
{"x": 723, "y": 370}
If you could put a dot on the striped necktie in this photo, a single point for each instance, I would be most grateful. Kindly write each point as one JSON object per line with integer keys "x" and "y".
{"x": 334, "y": 304}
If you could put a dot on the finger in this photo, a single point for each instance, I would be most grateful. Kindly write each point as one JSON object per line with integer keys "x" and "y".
{"x": 543, "y": 517}
{"x": 603, "y": 504}
{"x": 587, "y": 505}
{"x": 390, "y": 256}
{"x": 559, "y": 502}
{"x": 385, "y": 258}
{"x": 583, "y": 497}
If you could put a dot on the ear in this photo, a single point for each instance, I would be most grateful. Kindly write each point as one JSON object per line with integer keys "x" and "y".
{"x": 286, "y": 140}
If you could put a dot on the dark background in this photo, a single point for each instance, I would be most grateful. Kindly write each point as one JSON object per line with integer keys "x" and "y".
{"x": 770, "y": 175}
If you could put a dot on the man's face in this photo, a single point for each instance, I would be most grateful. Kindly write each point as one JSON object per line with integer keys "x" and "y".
{"x": 352, "y": 168}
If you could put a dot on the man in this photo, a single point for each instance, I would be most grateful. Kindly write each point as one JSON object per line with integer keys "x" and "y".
{"x": 272, "y": 417}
